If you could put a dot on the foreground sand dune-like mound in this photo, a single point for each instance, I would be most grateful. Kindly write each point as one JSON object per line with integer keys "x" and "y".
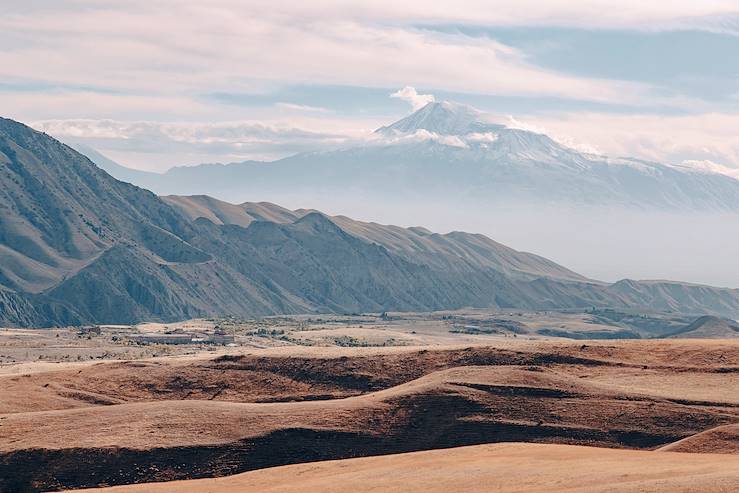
{"x": 500, "y": 467}
{"x": 719, "y": 440}
{"x": 533, "y": 402}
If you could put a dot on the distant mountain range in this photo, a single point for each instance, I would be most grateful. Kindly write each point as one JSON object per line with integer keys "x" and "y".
{"x": 78, "y": 246}
{"x": 455, "y": 153}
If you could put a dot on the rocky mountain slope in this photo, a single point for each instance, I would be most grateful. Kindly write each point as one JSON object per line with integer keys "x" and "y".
{"x": 539, "y": 282}
{"x": 78, "y": 246}
{"x": 453, "y": 251}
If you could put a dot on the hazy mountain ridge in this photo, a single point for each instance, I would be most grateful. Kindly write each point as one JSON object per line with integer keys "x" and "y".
{"x": 118, "y": 171}
{"x": 459, "y": 250}
{"x": 538, "y": 282}
{"x": 88, "y": 248}
{"x": 453, "y": 150}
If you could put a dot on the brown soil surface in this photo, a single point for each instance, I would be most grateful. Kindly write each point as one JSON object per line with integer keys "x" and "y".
{"x": 720, "y": 440}
{"x": 500, "y": 467}
{"x": 192, "y": 417}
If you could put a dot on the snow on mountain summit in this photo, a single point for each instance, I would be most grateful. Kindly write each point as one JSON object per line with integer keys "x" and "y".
{"x": 445, "y": 149}
{"x": 460, "y": 126}
{"x": 709, "y": 167}
{"x": 443, "y": 118}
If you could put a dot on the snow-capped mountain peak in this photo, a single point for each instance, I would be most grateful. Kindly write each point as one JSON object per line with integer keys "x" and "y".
{"x": 464, "y": 127}
{"x": 443, "y": 118}
{"x": 451, "y": 150}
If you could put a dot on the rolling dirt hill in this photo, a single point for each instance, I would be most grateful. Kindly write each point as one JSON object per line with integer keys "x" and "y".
{"x": 719, "y": 440}
{"x": 710, "y": 327}
{"x": 510, "y": 467}
{"x": 167, "y": 419}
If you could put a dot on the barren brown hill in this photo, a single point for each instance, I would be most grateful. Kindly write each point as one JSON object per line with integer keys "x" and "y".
{"x": 510, "y": 467}
{"x": 164, "y": 419}
{"x": 539, "y": 282}
{"x": 456, "y": 250}
{"x": 707, "y": 327}
{"x": 720, "y": 440}
{"x": 677, "y": 369}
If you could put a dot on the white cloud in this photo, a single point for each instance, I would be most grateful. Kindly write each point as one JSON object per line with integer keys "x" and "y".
{"x": 486, "y": 137}
{"x": 424, "y": 135}
{"x": 410, "y": 95}
{"x": 520, "y": 125}
{"x": 302, "y": 107}
{"x": 32, "y": 105}
{"x": 707, "y": 166}
{"x": 564, "y": 139}
{"x": 663, "y": 138}
{"x": 157, "y": 146}
{"x": 143, "y": 60}
{"x": 582, "y": 13}
{"x": 162, "y": 50}
{"x": 706, "y": 141}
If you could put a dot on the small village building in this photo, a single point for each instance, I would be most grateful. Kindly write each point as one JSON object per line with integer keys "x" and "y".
{"x": 157, "y": 338}
{"x": 91, "y": 330}
{"x": 180, "y": 336}
{"x": 221, "y": 337}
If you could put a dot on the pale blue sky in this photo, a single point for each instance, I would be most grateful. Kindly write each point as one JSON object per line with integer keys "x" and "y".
{"x": 161, "y": 83}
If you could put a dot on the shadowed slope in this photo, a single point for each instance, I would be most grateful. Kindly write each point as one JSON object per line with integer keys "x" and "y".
{"x": 500, "y": 467}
